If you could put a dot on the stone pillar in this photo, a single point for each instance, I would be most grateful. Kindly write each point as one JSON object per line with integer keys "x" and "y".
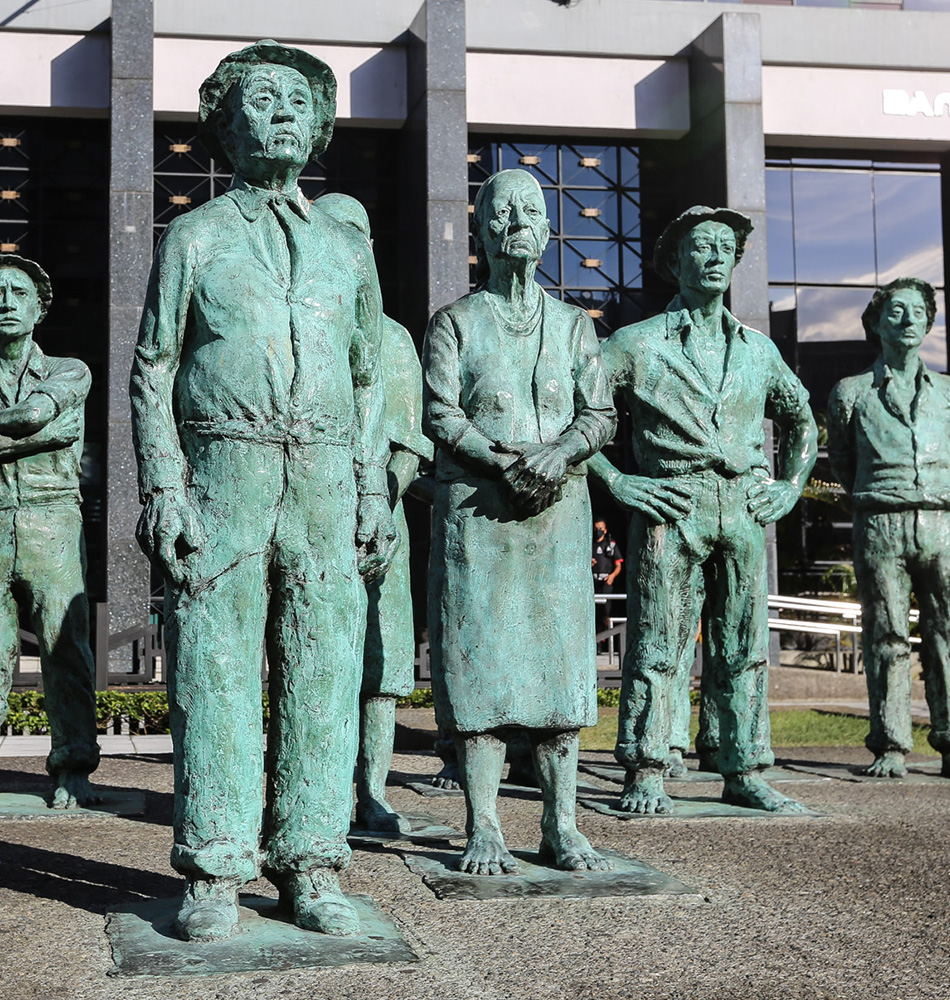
{"x": 439, "y": 130}
{"x": 726, "y": 166}
{"x": 130, "y": 256}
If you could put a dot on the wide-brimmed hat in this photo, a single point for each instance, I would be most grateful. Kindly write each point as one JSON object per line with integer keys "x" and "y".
{"x": 667, "y": 246}
{"x": 44, "y": 290}
{"x": 267, "y": 53}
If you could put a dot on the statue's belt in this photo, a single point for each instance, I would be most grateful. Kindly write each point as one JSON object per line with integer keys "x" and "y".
{"x": 274, "y": 432}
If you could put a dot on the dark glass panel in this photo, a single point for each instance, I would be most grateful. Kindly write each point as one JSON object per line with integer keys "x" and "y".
{"x": 781, "y": 246}
{"x": 579, "y": 218}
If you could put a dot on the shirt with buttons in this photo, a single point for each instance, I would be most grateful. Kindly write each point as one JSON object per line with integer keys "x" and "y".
{"x": 887, "y": 455}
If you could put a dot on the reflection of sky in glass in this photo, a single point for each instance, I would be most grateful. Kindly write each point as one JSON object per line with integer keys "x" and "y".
{"x": 831, "y": 313}
{"x": 834, "y": 226}
{"x": 909, "y": 237}
{"x": 578, "y": 276}
{"x": 576, "y": 224}
{"x": 827, "y": 314}
{"x": 778, "y": 201}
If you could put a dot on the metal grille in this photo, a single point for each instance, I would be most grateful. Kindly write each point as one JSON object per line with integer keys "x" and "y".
{"x": 592, "y": 193}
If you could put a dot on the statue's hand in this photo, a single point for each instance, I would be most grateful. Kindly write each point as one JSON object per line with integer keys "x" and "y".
{"x": 662, "y": 502}
{"x": 537, "y": 476}
{"x": 771, "y": 499}
{"x": 168, "y": 533}
{"x": 376, "y": 538}
{"x": 28, "y": 417}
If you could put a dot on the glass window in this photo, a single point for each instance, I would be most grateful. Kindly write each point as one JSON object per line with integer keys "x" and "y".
{"x": 908, "y": 226}
{"x": 834, "y": 227}
{"x": 827, "y": 314}
{"x": 781, "y": 244}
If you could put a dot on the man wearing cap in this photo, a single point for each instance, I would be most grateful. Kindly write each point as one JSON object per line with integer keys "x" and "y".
{"x": 887, "y": 442}
{"x": 257, "y": 414}
{"x": 699, "y": 385}
{"x": 42, "y": 553}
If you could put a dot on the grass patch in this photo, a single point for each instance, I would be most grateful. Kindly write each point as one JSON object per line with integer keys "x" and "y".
{"x": 790, "y": 728}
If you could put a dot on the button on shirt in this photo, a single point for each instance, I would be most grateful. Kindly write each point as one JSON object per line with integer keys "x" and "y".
{"x": 46, "y": 476}
{"x": 262, "y": 316}
{"x": 889, "y": 456}
{"x": 682, "y": 422}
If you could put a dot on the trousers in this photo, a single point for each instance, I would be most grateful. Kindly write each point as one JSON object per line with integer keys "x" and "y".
{"x": 277, "y": 572}
{"x": 42, "y": 568}
{"x": 896, "y": 552}
{"x": 717, "y": 553}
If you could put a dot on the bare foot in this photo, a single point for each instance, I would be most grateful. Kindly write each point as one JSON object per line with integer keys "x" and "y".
{"x": 752, "y": 791}
{"x": 448, "y": 778}
{"x": 380, "y": 816}
{"x": 486, "y": 854}
{"x": 675, "y": 766}
{"x": 317, "y": 902}
{"x": 889, "y": 764}
{"x": 73, "y": 790}
{"x": 709, "y": 761}
{"x": 643, "y": 792}
{"x": 571, "y": 851}
{"x": 208, "y": 910}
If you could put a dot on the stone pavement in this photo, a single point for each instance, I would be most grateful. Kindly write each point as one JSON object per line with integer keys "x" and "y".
{"x": 854, "y": 903}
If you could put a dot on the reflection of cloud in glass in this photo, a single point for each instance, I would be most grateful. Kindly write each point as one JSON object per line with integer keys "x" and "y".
{"x": 909, "y": 237}
{"x": 834, "y": 227}
{"x": 778, "y": 202}
{"x": 826, "y": 314}
{"x": 781, "y": 299}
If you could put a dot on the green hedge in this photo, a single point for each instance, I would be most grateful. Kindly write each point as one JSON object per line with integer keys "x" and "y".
{"x": 147, "y": 711}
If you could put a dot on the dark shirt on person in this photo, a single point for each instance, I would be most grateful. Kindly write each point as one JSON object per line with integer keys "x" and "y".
{"x": 606, "y": 555}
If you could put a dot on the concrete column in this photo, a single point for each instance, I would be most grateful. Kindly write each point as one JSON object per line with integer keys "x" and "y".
{"x": 726, "y": 166}
{"x": 727, "y": 145}
{"x": 130, "y": 256}
{"x": 440, "y": 130}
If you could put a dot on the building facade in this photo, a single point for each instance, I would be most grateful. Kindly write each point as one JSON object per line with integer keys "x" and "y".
{"x": 828, "y": 124}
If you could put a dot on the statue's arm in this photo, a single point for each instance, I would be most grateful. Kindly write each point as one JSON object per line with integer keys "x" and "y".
{"x": 841, "y": 450}
{"x": 65, "y": 388}
{"x": 167, "y": 529}
{"x": 443, "y": 419}
{"x": 595, "y": 418}
{"x": 62, "y": 431}
{"x": 787, "y": 405}
{"x": 375, "y": 532}
{"x": 400, "y": 472}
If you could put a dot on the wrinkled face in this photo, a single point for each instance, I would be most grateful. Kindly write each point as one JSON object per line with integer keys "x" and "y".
{"x": 20, "y": 307}
{"x": 707, "y": 256}
{"x": 273, "y": 119}
{"x": 514, "y": 223}
{"x": 903, "y": 319}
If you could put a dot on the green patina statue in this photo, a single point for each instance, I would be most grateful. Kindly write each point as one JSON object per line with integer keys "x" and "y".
{"x": 257, "y": 404}
{"x": 42, "y": 553}
{"x": 389, "y": 653}
{"x": 699, "y": 385}
{"x": 888, "y": 431}
{"x": 516, "y": 399}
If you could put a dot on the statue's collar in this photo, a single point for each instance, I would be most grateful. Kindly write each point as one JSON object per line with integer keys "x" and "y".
{"x": 679, "y": 321}
{"x": 251, "y": 201}
{"x": 883, "y": 373}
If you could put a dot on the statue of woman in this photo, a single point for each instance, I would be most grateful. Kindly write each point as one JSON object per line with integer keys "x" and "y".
{"x": 516, "y": 400}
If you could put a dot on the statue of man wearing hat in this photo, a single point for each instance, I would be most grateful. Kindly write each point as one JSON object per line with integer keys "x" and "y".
{"x": 258, "y": 410}
{"x": 699, "y": 385}
{"x": 42, "y": 553}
